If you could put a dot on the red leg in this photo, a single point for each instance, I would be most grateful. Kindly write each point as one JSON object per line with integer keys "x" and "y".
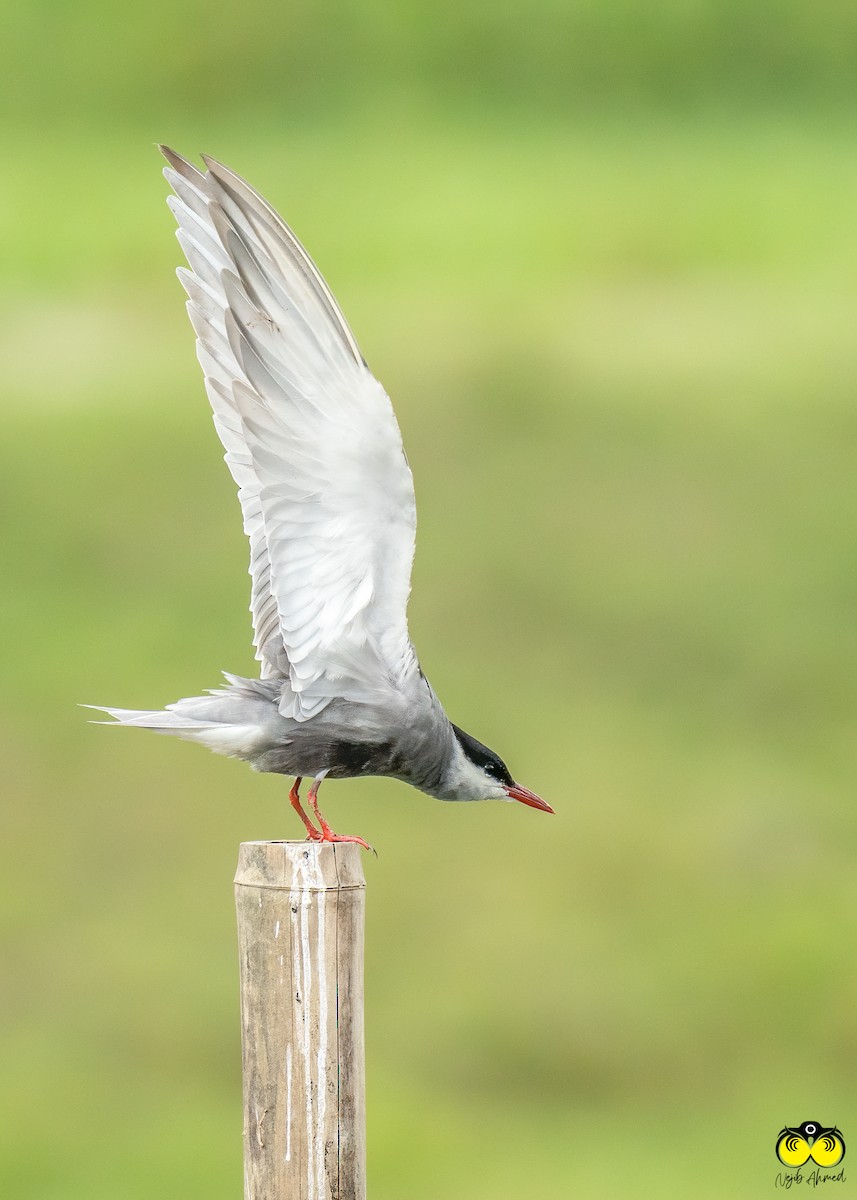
{"x": 294, "y": 795}
{"x": 327, "y": 834}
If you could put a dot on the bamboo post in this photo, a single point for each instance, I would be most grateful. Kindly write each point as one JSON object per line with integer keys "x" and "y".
{"x": 300, "y": 941}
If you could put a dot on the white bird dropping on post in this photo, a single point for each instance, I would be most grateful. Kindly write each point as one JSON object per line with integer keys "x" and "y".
{"x": 328, "y": 504}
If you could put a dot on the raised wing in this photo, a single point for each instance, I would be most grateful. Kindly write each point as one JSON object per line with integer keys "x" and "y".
{"x": 312, "y": 442}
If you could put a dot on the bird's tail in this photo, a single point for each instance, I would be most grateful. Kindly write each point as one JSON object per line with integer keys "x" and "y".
{"x": 233, "y": 720}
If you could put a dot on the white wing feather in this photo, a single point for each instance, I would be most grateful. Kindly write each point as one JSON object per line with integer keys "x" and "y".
{"x": 312, "y": 442}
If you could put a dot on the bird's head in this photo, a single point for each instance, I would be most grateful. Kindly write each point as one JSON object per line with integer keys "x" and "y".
{"x": 476, "y": 773}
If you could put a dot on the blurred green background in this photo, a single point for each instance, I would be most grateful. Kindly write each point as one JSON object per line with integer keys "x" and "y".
{"x": 604, "y": 258}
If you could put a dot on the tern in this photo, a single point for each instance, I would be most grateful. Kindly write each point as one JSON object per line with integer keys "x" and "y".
{"x": 327, "y": 498}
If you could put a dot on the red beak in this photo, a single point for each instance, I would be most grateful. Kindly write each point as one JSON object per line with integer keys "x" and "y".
{"x": 527, "y": 797}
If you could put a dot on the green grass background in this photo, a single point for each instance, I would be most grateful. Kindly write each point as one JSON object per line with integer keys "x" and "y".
{"x": 604, "y": 259}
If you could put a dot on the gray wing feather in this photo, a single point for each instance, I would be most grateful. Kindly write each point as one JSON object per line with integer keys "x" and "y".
{"x": 310, "y": 439}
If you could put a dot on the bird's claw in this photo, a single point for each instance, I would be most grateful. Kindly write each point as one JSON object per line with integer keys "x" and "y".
{"x": 329, "y": 836}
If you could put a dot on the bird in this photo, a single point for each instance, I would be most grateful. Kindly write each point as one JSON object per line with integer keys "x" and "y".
{"x": 327, "y": 500}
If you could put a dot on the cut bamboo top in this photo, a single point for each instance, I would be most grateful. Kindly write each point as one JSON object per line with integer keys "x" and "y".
{"x": 300, "y": 866}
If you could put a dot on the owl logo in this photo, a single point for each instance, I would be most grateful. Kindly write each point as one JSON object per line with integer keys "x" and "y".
{"x": 826, "y": 1147}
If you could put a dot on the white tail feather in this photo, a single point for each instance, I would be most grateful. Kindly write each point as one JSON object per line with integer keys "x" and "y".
{"x": 235, "y": 720}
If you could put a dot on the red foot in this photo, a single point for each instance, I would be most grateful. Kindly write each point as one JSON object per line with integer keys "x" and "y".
{"x": 326, "y": 834}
